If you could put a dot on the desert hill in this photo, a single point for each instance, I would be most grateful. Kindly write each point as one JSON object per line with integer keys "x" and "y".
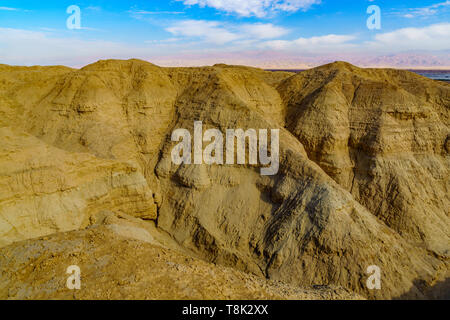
{"x": 363, "y": 179}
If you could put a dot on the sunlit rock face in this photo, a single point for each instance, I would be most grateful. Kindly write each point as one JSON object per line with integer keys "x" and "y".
{"x": 362, "y": 179}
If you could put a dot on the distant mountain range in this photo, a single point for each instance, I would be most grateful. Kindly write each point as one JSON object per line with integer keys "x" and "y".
{"x": 277, "y": 60}
{"x": 441, "y": 75}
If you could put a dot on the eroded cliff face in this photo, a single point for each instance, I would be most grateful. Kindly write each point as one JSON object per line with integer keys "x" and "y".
{"x": 363, "y": 179}
{"x": 382, "y": 135}
{"x": 47, "y": 190}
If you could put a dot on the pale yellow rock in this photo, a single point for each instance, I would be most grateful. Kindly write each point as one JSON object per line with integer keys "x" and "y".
{"x": 116, "y": 267}
{"x": 194, "y": 176}
{"x": 381, "y": 134}
{"x": 363, "y": 176}
{"x": 47, "y": 190}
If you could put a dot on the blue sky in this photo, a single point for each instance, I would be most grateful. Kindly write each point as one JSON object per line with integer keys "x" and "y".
{"x": 265, "y": 33}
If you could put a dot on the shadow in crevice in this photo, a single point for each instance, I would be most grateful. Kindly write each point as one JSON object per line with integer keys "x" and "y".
{"x": 421, "y": 291}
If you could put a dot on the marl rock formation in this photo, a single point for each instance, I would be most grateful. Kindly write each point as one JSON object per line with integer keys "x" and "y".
{"x": 363, "y": 179}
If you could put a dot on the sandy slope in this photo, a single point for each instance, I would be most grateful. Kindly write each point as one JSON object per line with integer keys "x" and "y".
{"x": 363, "y": 180}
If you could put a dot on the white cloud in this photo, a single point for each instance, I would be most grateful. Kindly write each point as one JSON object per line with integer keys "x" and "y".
{"x": 243, "y": 41}
{"x": 218, "y": 33}
{"x": 23, "y": 47}
{"x": 8, "y": 9}
{"x": 144, "y": 12}
{"x": 263, "y": 31}
{"x": 258, "y": 8}
{"x": 294, "y": 5}
{"x": 313, "y": 44}
{"x": 211, "y": 31}
{"x": 434, "y": 37}
{"x": 426, "y": 11}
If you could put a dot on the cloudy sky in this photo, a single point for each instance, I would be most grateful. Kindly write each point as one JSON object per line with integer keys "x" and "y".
{"x": 263, "y": 33}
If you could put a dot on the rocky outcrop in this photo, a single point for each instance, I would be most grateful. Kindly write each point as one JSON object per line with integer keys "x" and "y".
{"x": 380, "y": 134}
{"x": 116, "y": 265}
{"x": 46, "y": 190}
{"x": 363, "y": 176}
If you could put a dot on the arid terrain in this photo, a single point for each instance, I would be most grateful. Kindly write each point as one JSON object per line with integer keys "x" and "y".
{"x": 87, "y": 179}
